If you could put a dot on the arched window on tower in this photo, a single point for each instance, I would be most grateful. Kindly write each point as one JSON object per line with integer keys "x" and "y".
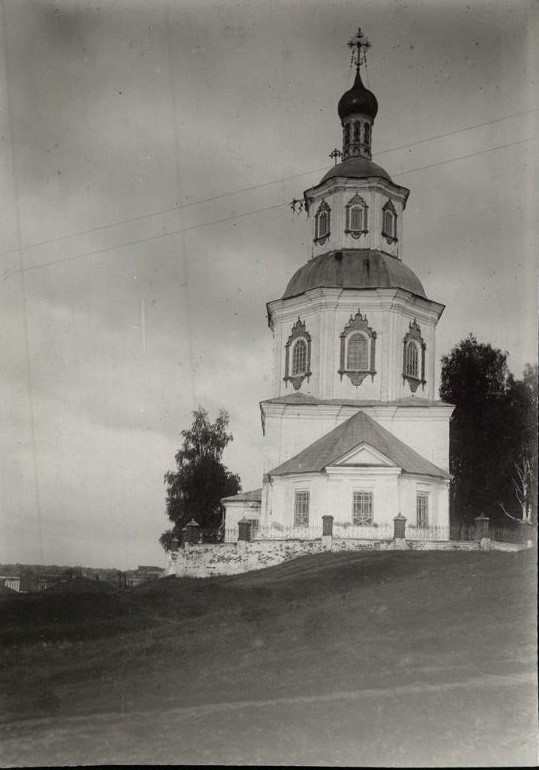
{"x": 357, "y": 353}
{"x": 367, "y": 140}
{"x": 298, "y": 355}
{"x": 389, "y": 222}
{"x": 356, "y": 217}
{"x": 414, "y": 354}
{"x": 412, "y": 359}
{"x": 357, "y": 126}
{"x": 358, "y": 349}
{"x": 322, "y": 223}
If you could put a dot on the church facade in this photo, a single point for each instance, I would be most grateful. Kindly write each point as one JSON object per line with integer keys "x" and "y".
{"x": 354, "y": 428}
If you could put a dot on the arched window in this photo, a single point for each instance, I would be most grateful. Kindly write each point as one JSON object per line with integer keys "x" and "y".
{"x": 389, "y": 223}
{"x": 358, "y": 350}
{"x": 412, "y": 359}
{"x": 367, "y": 134}
{"x": 414, "y": 354}
{"x": 357, "y": 355}
{"x": 356, "y": 216}
{"x": 347, "y": 134}
{"x": 299, "y": 357}
{"x": 357, "y": 127}
{"x": 322, "y": 222}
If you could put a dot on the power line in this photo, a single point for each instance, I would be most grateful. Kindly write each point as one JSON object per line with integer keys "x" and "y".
{"x": 238, "y": 216}
{"x": 219, "y": 196}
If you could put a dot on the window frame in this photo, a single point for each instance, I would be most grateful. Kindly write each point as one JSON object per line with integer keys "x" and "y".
{"x": 357, "y": 203}
{"x": 322, "y": 215}
{"x": 355, "y": 334}
{"x": 389, "y": 216}
{"x": 411, "y": 363}
{"x": 302, "y": 517}
{"x": 359, "y": 518}
{"x": 423, "y": 497}
{"x": 299, "y": 332}
{"x": 414, "y": 336}
{"x": 299, "y": 341}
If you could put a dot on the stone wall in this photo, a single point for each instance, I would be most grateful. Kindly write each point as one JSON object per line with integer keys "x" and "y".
{"x": 200, "y": 561}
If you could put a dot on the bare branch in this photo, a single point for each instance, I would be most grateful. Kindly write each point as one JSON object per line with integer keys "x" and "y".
{"x": 507, "y": 513}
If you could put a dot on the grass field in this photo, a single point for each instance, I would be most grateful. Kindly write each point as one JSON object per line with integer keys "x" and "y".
{"x": 388, "y": 659}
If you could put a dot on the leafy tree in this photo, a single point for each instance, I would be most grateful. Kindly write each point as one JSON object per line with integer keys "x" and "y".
{"x": 196, "y": 487}
{"x": 491, "y": 429}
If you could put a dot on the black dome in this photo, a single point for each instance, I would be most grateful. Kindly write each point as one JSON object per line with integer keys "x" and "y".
{"x": 354, "y": 269}
{"x": 358, "y": 100}
{"x": 357, "y": 168}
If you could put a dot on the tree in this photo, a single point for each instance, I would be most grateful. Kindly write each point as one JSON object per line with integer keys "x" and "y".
{"x": 196, "y": 487}
{"x": 490, "y": 429}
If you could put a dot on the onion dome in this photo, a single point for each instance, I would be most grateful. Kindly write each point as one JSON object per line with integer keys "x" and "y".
{"x": 354, "y": 269}
{"x": 358, "y": 100}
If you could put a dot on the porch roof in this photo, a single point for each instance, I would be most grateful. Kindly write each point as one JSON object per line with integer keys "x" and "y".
{"x": 358, "y": 429}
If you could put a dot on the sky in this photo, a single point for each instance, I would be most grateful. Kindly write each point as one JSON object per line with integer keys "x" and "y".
{"x": 149, "y": 152}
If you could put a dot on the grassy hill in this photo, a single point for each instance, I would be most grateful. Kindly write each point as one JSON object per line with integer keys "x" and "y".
{"x": 316, "y": 634}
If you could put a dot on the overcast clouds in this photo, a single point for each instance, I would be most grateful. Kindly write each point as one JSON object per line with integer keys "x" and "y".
{"x": 117, "y": 110}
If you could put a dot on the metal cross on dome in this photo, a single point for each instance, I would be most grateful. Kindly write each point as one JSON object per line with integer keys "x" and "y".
{"x": 359, "y": 45}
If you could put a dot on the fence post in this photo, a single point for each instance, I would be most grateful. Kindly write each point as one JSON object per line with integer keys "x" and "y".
{"x": 327, "y": 532}
{"x": 244, "y": 530}
{"x": 481, "y": 531}
{"x": 191, "y": 533}
{"x": 399, "y": 531}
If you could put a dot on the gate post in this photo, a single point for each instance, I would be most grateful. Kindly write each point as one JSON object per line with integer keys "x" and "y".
{"x": 191, "y": 533}
{"x": 481, "y": 531}
{"x": 327, "y": 532}
{"x": 399, "y": 532}
{"x": 244, "y": 530}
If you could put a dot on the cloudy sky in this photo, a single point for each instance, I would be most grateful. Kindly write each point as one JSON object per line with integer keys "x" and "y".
{"x": 149, "y": 152}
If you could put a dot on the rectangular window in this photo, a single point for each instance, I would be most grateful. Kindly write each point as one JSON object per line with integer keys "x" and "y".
{"x": 422, "y": 509}
{"x": 301, "y": 509}
{"x": 362, "y": 508}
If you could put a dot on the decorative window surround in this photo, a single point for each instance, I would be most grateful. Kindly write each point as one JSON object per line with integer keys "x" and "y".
{"x": 357, "y": 203}
{"x": 322, "y": 223}
{"x": 409, "y": 372}
{"x": 299, "y": 334}
{"x": 389, "y": 222}
{"x": 358, "y": 323}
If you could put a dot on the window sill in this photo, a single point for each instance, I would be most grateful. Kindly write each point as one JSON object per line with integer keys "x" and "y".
{"x": 414, "y": 382}
{"x": 356, "y": 233}
{"x": 357, "y": 375}
{"x": 322, "y": 240}
{"x": 390, "y": 238}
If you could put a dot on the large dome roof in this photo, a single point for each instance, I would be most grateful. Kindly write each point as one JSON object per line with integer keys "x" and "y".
{"x": 354, "y": 269}
{"x": 357, "y": 168}
{"x": 358, "y": 100}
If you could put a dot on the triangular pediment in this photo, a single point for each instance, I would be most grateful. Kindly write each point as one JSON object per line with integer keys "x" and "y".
{"x": 364, "y": 454}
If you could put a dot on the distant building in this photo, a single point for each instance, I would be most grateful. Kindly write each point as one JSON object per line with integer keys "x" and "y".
{"x": 142, "y": 574}
{"x": 14, "y": 583}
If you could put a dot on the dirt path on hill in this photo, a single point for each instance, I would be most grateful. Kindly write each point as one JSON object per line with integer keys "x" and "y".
{"x": 482, "y": 718}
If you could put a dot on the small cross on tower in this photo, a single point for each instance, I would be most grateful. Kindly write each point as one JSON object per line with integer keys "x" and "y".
{"x": 359, "y": 45}
{"x": 335, "y": 154}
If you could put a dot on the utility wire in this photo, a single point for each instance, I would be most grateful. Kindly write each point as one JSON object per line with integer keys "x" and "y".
{"x": 219, "y": 196}
{"x": 8, "y": 274}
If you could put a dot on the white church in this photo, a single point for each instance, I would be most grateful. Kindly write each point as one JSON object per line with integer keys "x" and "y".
{"x": 354, "y": 428}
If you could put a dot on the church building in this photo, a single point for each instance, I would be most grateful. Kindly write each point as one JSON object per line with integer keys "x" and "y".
{"x": 354, "y": 428}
